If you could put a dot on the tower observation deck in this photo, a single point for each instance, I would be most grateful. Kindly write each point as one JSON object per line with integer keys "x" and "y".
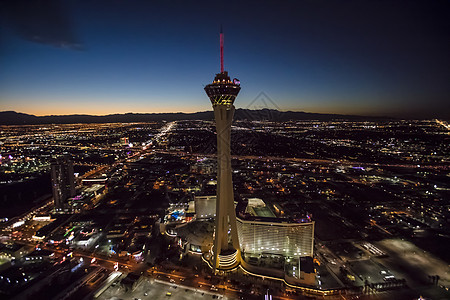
{"x": 222, "y": 92}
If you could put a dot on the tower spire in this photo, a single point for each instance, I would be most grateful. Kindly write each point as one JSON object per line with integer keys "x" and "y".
{"x": 221, "y": 49}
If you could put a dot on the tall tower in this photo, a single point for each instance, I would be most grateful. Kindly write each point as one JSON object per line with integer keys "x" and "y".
{"x": 222, "y": 92}
{"x": 63, "y": 181}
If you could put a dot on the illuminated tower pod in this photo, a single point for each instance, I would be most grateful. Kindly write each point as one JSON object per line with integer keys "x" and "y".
{"x": 222, "y": 93}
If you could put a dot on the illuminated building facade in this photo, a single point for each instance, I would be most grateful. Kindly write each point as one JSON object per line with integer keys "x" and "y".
{"x": 261, "y": 232}
{"x": 276, "y": 236}
{"x": 63, "y": 181}
{"x": 222, "y": 92}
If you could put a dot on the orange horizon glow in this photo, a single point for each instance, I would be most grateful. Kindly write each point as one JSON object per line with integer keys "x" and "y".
{"x": 101, "y": 107}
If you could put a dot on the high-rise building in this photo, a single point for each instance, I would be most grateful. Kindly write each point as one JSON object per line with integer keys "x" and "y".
{"x": 261, "y": 232}
{"x": 222, "y": 92}
{"x": 279, "y": 236}
{"x": 63, "y": 181}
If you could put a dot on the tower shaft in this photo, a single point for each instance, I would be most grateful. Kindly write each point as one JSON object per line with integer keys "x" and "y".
{"x": 225, "y": 210}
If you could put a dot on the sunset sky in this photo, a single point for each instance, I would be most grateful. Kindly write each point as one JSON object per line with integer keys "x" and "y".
{"x": 101, "y": 57}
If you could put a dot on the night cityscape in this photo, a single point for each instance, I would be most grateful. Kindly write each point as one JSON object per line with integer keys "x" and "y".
{"x": 167, "y": 150}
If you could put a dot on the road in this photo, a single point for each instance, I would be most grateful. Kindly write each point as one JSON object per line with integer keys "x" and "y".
{"x": 309, "y": 160}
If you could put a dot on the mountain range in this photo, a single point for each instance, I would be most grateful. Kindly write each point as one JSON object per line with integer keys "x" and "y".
{"x": 16, "y": 118}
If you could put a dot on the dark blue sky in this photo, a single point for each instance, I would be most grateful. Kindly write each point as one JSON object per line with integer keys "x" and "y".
{"x": 101, "y": 57}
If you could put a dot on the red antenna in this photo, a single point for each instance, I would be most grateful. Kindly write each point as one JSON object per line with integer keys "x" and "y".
{"x": 221, "y": 49}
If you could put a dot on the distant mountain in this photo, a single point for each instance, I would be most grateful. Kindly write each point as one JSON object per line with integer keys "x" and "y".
{"x": 15, "y": 118}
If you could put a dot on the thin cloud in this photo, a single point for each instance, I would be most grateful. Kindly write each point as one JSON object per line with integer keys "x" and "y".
{"x": 43, "y": 22}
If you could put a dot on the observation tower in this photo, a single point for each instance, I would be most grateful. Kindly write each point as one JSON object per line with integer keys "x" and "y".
{"x": 222, "y": 92}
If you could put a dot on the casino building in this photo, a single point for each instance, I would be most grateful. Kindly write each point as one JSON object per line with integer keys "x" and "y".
{"x": 279, "y": 236}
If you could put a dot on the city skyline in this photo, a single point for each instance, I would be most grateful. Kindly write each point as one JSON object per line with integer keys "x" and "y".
{"x": 310, "y": 197}
{"x": 353, "y": 58}
{"x": 329, "y": 179}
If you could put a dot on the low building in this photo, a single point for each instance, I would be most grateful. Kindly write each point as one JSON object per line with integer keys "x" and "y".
{"x": 39, "y": 256}
{"x": 205, "y": 207}
{"x": 13, "y": 251}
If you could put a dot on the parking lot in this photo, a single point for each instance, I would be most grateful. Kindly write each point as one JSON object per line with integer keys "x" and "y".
{"x": 154, "y": 289}
{"x": 370, "y": 271}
